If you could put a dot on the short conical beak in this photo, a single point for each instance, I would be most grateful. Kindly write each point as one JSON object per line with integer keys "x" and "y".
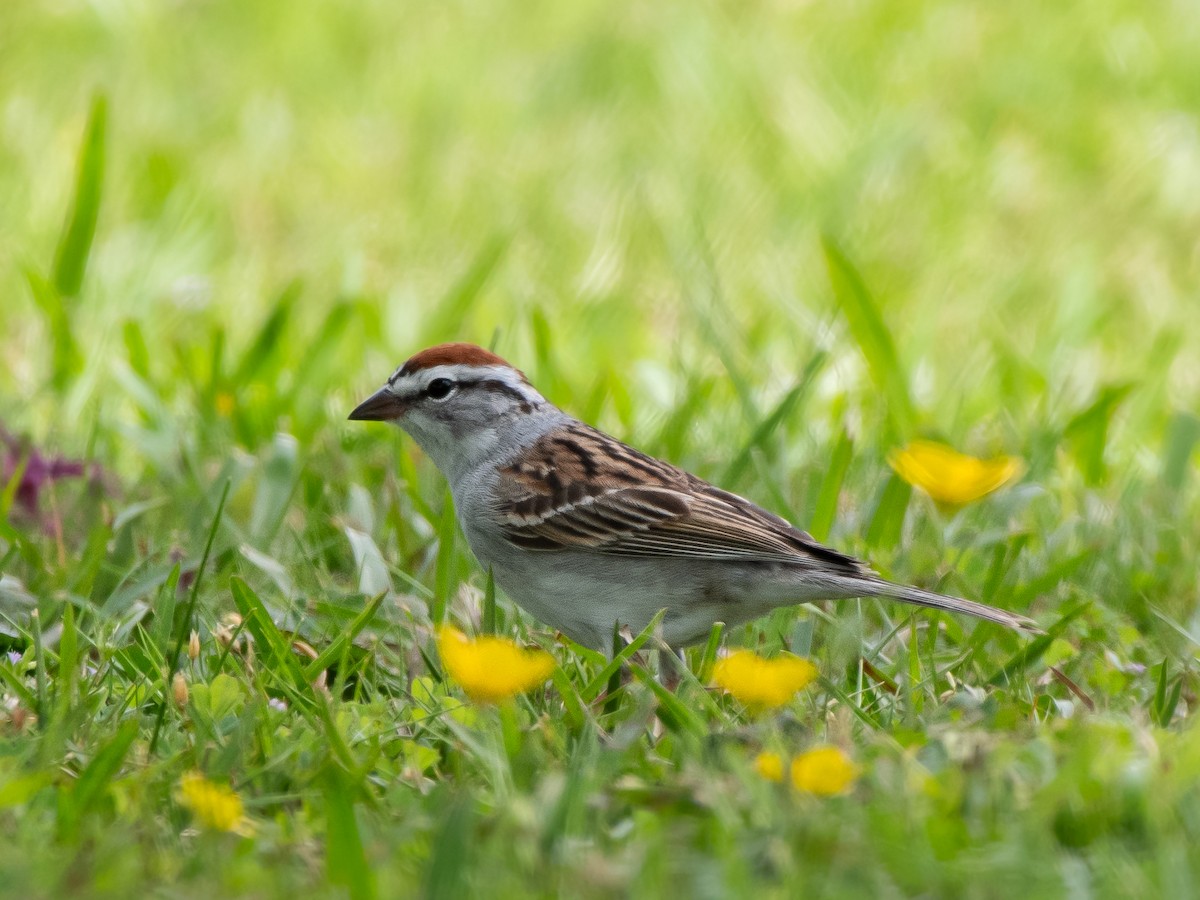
{"x": 381, "y": 406}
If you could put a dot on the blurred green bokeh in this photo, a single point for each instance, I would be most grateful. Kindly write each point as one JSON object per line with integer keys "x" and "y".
{"x": 1019, "y": 183}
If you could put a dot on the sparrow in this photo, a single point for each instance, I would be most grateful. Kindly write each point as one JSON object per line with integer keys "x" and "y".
{"x": 587, "y": 534}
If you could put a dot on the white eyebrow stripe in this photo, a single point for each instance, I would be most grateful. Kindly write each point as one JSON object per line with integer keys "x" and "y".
{"x": 416, "y": 382}
{"x": 464, "y": 372}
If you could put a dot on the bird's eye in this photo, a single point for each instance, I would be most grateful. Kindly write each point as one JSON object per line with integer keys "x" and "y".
{"x": 440, "y": 389}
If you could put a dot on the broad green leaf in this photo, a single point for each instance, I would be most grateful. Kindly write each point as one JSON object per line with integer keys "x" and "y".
{"x": 223, "y": 696}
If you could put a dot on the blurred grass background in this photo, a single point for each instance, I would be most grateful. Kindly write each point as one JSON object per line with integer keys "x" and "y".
{"x": 630, "y": 201}
{"x": 1022, "y": 185}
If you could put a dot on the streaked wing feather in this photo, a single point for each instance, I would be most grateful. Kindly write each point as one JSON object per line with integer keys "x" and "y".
{"x": 577, "y": 488}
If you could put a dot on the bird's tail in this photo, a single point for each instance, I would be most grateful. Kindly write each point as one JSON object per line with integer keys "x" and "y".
{"x": 877, "y": 587}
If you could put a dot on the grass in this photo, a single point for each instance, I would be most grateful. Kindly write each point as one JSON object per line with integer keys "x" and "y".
{"x": 769, "y": 242}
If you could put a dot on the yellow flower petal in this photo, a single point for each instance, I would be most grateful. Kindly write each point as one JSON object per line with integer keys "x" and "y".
{"x": 491, "y": 669}
{"x": 215, "y": 806}
{"x": 949, "y": 476}
{"x": 824, "y": 771}
{"x": 762, "y": 683}
{"x": 769, "y": 765}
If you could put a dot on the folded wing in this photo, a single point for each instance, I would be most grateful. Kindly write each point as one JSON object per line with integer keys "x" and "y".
{"x": 579, "y": 489}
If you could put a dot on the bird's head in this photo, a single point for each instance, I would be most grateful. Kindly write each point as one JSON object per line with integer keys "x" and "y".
{"x": 458, "y": 401}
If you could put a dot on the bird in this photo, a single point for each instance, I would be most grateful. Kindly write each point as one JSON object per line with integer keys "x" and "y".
{"x": 588, "y": 534}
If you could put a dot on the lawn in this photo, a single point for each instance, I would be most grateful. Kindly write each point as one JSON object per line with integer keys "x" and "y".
{"x": 771, "y": 242}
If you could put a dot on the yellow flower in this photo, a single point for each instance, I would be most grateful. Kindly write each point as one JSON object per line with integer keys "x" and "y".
{"x": 491, "y": 669}
{"x": 949, "y": 476}
{"x": 824, "y": 771}
{"x": 215, "y": 806}
{"x": 762, "y": 683}
{"x": 769, "y": 765}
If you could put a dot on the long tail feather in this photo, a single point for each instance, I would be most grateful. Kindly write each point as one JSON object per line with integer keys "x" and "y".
{"x": 880, "y": 588}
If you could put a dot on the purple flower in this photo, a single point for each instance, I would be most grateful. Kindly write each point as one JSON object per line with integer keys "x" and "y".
{"x": 40, "y": 470}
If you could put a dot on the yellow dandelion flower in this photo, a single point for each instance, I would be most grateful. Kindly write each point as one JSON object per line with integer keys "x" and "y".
{"x": 951, "y": 477}
{"x": 824, "y": 771}
{"x": 762, "y": 683}
{"x": 215, "y": 806}
{"x": 769, "y": 765}
{"x": 491, "y": 669}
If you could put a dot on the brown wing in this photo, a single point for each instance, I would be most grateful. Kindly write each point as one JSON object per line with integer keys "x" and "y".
{"x": 578, "y": 488}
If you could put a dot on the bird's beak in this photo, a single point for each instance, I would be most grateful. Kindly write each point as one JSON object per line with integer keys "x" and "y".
{"x": 381, "y": 406}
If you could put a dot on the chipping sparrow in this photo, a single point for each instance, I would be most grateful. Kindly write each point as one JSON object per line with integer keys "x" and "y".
{"x": 583, "y": 531}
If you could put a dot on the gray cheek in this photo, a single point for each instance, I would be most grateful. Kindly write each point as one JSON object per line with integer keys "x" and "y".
{"x": 457, "y": 422}
{"x": 467, "y": 420}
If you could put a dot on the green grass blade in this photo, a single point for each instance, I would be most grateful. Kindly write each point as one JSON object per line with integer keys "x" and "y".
{"x": 321, "y": 352}
{"x": 612, "y": 691}
{"x": 185, "y": 625}
{"x": 767, "y": 427}
{"x": 455, "y": 305}
{"x": 1021, "y": 661}
{"x": 269, "y": 344}
{"x": 1087, "y": 433}
{"x": 447, "y": 873}
{"x": 598, "y": 682}
{"x": 708, "y": 657}
{"x": 345, "y": 858}
{"x": 271, "y": 641}
{"x": 887, "y": 521}
{"x": 39, "y": 655}
{"x": 574, "y": 710}
{"x": 136, "y": 351}
{"x": 673, "y": 712}
{"x": 345, "y": 637}
{"x": 1183, "y": 433}
{"x": 1166, "y": 697}
{"x": 9, "y": 493}
{"x": 831, "y": 487}
{"x": 65, "y": 357}
{"x": 1049, "y": 580}
{"x": 280, "y": 476}
{"x": 71, "y": 257}
{"x": 16, "y": 684}
{"x": 871, "y": 332}
{"x": 445, "y": 574}
{"x": 95, "y": 778}
{"x": 68, "y": 664}
{"x": 861, "y": 714}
